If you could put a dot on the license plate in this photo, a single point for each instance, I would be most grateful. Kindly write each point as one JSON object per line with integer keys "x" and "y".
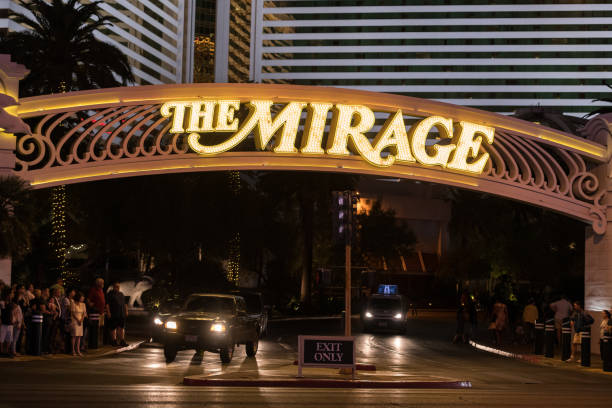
{"x": 191, "y": 338}
{"x": 382, "y": 324}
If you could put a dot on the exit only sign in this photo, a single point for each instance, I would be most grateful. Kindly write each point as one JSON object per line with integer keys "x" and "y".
{"x": 326, "y": 351}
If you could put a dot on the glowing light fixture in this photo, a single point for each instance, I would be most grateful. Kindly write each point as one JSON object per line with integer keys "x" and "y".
{"x": 217, "y": 327}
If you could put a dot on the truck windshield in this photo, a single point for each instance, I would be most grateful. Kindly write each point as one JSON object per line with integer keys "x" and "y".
{"x": 209, "y": 304}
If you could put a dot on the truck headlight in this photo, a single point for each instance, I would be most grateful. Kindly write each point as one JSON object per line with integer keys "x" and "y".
{"x": 158, "y": 321}
{"x": 398, "y": 316}
{"x": 171, "y": 325}
{"x": 368, "y": 315}
{"x": 217, "y": 327}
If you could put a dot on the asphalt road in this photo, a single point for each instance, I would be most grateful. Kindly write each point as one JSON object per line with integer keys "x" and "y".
{"x": 141, "y": 378}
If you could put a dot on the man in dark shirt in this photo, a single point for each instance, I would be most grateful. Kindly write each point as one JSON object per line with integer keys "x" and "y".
{"x": 116, "y": 311}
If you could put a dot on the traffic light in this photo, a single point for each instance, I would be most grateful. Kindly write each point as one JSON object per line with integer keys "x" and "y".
{"x": 340, "y": 214}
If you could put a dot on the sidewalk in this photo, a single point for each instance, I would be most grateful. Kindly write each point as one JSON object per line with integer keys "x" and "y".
{"x": 91, "y": 353}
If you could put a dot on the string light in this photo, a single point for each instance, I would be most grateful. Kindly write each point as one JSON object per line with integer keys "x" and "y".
{"x": 58, "y": 234}
{"x": 233, "y": 263}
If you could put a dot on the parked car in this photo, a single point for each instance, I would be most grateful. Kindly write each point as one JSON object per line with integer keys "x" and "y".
{"x": 384, "y": 312}
{"x": 211, "y": 322}
{"x": 256, "y": 309}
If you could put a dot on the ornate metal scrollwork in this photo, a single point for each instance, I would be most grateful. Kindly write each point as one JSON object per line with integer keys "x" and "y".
{"x": 138, "y": 131}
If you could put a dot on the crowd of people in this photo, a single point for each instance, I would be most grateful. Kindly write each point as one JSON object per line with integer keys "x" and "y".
{"x": 65, "y": 315}
{"x": 509, "y": 324}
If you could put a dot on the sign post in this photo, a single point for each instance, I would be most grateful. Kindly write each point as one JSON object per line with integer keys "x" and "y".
{"x": 326, "y": 351}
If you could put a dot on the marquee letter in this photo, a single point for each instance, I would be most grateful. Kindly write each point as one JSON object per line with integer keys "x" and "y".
{"x": 261, "y": 122}
{"x": 225, "y": 117}
{"x": 343, "y": 135}
{"x": 205, "y": 116}
{"x": 468, "y": 145}
{"x": 312, "y": 138}
{"x": 179, "y": 115}
{"x": 393, "y": 135}
{"x": 419, "y": 137}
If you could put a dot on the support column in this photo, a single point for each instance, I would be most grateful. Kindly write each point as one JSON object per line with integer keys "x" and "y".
{"x": 10, "y": 75}
{"x": 597, "y": 278}
{"x": 598, "y": 248}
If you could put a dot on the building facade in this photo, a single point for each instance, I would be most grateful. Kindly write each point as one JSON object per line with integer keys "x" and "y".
{"x": 497, "y": 56}
{"x": 156, "y": 36}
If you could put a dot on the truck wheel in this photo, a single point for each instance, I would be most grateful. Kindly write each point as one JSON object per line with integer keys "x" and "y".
{"x": 251, "y": 347}
{"x": 169, "y": 353}
{"x": 227, "y": 353}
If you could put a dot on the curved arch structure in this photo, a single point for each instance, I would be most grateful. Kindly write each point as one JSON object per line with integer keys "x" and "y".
{"x": 121, "y": 132}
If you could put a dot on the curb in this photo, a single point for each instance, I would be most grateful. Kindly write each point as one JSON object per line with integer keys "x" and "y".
{"x": 61, "y": 356}
{"x": 538, "y": 360}
{"x": 314, "y": 383}
{"x": 122, "y": 349}
{"x": 492, "y": 350}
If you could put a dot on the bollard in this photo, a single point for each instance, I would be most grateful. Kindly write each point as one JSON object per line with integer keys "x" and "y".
{"x": 606, "y": 351}
{"x": 549, "y": 338}
{"x": 585, "y": 347}
{"x": 539, "y": 338}
{"x": 94, "y": 330}
{"x": 566, "y": 340}
{"x": 35, "y": 335}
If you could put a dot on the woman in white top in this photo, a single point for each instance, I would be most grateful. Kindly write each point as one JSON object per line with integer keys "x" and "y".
{"x": 77, "y": 315}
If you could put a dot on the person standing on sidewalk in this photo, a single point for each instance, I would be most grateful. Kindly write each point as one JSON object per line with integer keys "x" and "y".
{"x": 96, "y": 301}
{"x": 57, "y": 324}
{"x": 605, "y": 329}
{"x": 77, "y": 316}
{"x": 530, "y": 315}
{"x": 563, "y": 310}
{"x": 59, "y": 285}
{"x": 116, "y": 310}
{"x": 500, "y": 316}
{"x": 7, "y": 318}
{"x": 17, "y": 328}
{"x": 579, "y": 321}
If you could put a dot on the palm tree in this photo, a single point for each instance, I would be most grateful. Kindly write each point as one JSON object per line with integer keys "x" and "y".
{"x": 17, "y": 213}
{"x": 603, "y": 109}
{"x": 60, "y": 48}
{"x": 62, "y": 54}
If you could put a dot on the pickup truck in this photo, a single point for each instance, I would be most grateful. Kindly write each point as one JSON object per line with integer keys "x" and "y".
{"x": 211, "y": 322}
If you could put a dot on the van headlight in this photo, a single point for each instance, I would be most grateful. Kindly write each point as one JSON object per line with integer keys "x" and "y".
{"x": 217, "y": 328}
{"x": 368, "y": 315}
{"x": 171, "y": 325}
{"x": 398, "y": 316}
{"x": 157, "y": 321}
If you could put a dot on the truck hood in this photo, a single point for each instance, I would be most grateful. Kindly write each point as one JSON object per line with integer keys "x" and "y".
{"x": 202, "y": 316}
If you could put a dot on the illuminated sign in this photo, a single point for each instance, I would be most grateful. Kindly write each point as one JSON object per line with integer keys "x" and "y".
{"x": 394, "y": 143}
